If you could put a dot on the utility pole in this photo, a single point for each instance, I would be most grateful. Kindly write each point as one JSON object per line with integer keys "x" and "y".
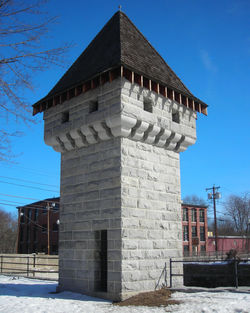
{"x": 48, "y": 223}
{"x": 248, "y": 236}
{"x": 213, "y": 196}
{"x": 20, "y": 213}
{"x": 48, "y": 227}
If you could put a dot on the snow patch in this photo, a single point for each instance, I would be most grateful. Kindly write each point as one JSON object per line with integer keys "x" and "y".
{"x": 23, "y": 295}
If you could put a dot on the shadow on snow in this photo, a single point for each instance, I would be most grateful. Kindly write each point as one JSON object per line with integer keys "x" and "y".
{"x": 42, "y": 290}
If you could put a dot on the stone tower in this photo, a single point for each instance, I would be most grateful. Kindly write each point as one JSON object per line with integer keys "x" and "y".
{"x": 119, "y": 117}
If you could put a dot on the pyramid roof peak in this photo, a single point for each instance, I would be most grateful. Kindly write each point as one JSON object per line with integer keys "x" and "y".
{"x": 119, "y": 43}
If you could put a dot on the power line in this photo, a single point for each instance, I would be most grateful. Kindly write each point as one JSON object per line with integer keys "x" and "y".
{"x": 217, "y": 211}
{"x": 36, "y": 204}
{"x": 43, "y": 173}
{"x": 34, "y": 222}
{"x": 8, "y": 204}
{"x": 27, "y": 206}
{"x": 220, "y": 218}
{"x": 28, "y": 181}
{"x": 42, "y": 208}
{"x": 4, "y": 182}
{"x": 38, "y": 207}
{"x": 12, "y": 201}
{"x": 12, "y": 196}
{"x": 228, "y": 189}
{"x": 37, "y": 200}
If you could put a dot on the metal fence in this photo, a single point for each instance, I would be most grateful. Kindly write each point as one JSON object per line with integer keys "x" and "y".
{"x": 36, "y": 266}
{"x": 200, "y": 273}
{"x": 221, "y": 254}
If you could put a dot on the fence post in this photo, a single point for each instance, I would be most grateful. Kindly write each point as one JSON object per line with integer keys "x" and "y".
{"x": 236, "y": 273}
{"x": 170, "y": 269}
{"x": 1, "y": 263}
{"x": 165, "y": 277}
{"x": 28, "y": 260}
{"x": 34, "y": 264}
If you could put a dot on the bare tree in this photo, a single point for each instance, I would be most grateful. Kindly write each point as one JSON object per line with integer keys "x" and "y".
{"x": 8, "y": 232}
{"x": 23, "y": 28}
{"x": 225, "y": 227}
{"x": 237, "y": 209}
{"x": 193, "y": 199}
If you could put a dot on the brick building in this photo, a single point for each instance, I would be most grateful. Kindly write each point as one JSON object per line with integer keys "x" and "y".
{"x": 33, "y": 233}
{"x": 33, "y": 224}
{"x": 226, "y": 243}
{"x": 194, "y": 227}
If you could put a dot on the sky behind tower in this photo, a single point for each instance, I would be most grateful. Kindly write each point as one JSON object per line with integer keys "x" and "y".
{"x": 206, "y": 43}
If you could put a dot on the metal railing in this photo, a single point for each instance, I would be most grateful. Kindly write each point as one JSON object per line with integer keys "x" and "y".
{"x": 207, "y": 260}
{"x": 221, "y": 254}
{"x": 163, "y": 276}
{"x": 35, "y": 266}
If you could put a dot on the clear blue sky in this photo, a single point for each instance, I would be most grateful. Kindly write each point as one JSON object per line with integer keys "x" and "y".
{"x": 207, "y": 44}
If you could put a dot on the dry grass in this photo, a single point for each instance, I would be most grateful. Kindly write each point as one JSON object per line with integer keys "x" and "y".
{"x": 153, "y": 298}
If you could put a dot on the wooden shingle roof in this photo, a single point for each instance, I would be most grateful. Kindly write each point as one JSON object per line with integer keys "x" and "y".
{"x": 118, "y": 44}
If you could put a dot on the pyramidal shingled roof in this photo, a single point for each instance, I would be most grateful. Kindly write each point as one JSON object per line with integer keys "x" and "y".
{"x": 120, "y": 43}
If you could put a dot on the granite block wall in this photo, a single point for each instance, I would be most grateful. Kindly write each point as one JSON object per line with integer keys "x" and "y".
{"x": 120, "y": 176}
{"x": 90, "y": 203}
{"x": 151, "y": 214}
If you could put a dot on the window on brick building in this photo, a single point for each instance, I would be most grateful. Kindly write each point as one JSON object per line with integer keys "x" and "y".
{"x": 193, "y": 215}
{"x": 185, "y": 233}
{"x": 202, "y": 248}
{"x": 194, "y": 231}
{"x": 202, "y": 233}
{"x": 34, "y": 233}
{"x": 30, "y": 214}
{"x": 27, "y": 233}
{"x": 55, "y": 227}
{"x": 54, "y": 249}
{"x": 185, "y": 214}
{"x": 202, "y": 216}
{"x": 194, "y": 250}
{"x": 21, "y": 234}
{"x": 44, "y": 228}
{"x": 35, "y": 215}
{"x": 186, "y": 250}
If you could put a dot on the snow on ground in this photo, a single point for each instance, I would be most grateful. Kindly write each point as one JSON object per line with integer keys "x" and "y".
{"x": 218, "y": 300}
{"x": 23, "y": 295}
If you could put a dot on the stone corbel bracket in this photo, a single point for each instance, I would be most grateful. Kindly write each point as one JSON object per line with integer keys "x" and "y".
{"x": 120, "y": 125}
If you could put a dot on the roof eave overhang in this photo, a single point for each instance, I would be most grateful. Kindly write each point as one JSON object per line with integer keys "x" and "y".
{"x": 50, "y": 100}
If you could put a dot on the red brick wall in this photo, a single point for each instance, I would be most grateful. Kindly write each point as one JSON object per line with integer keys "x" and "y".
{"x": 188, "y": 247}
{"x": 227, "y": 243}
{"x": 33, "y": 233}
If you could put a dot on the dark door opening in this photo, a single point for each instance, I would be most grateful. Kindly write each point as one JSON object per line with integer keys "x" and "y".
{"x": 104, "y": 261}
